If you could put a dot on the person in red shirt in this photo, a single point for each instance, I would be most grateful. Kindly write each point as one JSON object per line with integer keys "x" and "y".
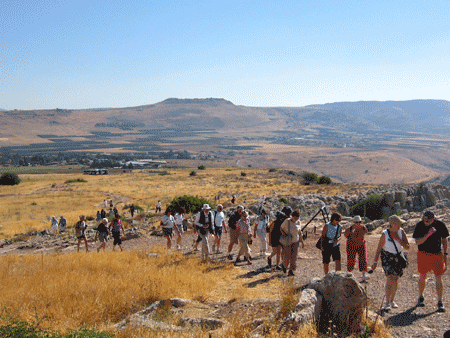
{"x": 356, "y": 244}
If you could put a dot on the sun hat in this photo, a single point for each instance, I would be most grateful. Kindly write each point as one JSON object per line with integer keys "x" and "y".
{"x": 395, "y": 220}
{"x": 244, "y": 213}
{"x": 206, "y": 206}
{"x": 105, "y": 220}
{"x": 357, "y": 218}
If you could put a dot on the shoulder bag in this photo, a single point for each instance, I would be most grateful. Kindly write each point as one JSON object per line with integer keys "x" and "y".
{"x": 402, "y": 258}
{"x": 322, "y": 242}
{"x": 286, "y": 239}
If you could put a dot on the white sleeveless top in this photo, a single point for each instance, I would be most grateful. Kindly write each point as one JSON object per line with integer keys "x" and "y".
{"x": 389, "y": 244}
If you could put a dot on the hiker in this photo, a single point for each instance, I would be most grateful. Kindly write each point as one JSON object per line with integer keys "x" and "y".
{"x": 219, "y": 225}
{"x": 167, "y": 222}
{"x": 80, "y": 232}
{"x": 116, "y": 212}
{"x": 105, "y": 203}
{"x": 274, "y": 237}
{"x": 291, "y": 226}
{"x": 233, "y": 199}
{"x": 261, "y": 227}
{"x": 178, "y": 225}
{"x": 62, "y": 224}
{"x": 111, "y": 204}
{"x": 102, "y": 234}
{"x": 54, "y": 222}
{"x": 245, "y": 233}
{"x": 431, "y": 239}
{"x": 98, "y": 217}
{"x": 116, "y": 229}
{"x": 392, "y": 241}
{"x": 111, "y": 213}
{"x": 204, "y": 221}
{"x": 103, "y": 213}
{"x": 356, "y": 244}
{"x": 331, "y": 246}
{"x": 132, "y": 209}
{"x": 232, "y": 229}
{"x": 158, "y": 206}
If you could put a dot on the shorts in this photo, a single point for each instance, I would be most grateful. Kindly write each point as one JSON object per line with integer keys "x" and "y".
{"x": 390, "y": 264}
{"x": 117, "y": 239}
{"x": 168, "y": 232}
{"x": 103, "y": 236}
{"x": 179, "y": 229}
{"x": 427, "y": 262}
{"x": 81, "y": 237}
{"x": 218, "y": 231}
{"x": 332, "y": 251}
{"x": 234, "y": 234}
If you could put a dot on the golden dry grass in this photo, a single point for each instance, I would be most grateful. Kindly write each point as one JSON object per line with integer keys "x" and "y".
{"x": 29, "y": 205}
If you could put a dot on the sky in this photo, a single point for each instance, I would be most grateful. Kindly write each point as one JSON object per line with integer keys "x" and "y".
{"x": 97, "y": 54}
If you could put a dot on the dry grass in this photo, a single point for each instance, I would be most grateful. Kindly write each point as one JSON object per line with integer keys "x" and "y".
{"x": 29, "y": 205}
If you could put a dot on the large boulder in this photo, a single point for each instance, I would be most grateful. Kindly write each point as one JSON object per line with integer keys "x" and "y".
{"x": 343, "y": 302}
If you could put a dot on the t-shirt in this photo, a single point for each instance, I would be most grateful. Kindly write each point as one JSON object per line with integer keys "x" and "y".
{"x": 219, "y": 218}
{"x": 167, "y": 221}
{"x": 178, "y": 219}
{"x": 233, "y": 220}
{"x": 355, "y": 235}
{"x": 434, "y": 242}
{"x": 102, "y": 227}
{"x": 80, "y": 228}
{"x": 263, "y": 222}
{"x": 332, "y": 230}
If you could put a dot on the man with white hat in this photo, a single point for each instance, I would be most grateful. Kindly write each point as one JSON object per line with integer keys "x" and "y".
{"x": 204, "y": 221}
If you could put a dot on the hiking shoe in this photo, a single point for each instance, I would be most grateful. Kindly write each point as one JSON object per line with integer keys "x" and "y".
{"x": 249, "y": 263}
{"x": 441, "y": 307}
{"x": 277, "y": 267}
{"x": 387, "y": 308}
{"x": 394, "y": 305}
{"x": 283, "y": 268}
{"x": 178, "y": 247}
{"x": 269, "y": 262}
{"x": 238, "y": 260}
{"x": 291, "y": 273}
{"x": 230, "y": 257}
{"x": 421, "y": 302}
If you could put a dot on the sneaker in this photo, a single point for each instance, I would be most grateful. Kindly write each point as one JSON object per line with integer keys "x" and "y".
{"x": 365, "y": 276}
{"x": 277, "y": 267}
{"x": 230, "y": 257}
{"x": 387, "y": 308}
{"x": 394, "y": 305}
{"x": 249, "y": 263}
{"x": 178, "y": 247}
{"x": 441, "y": 307}
{"x": 421, "y": 302}
{"x": 269, "y": 262}
{"x": 238, "y": 260}
{"x": 283, "y": 268}
{"x": 291, "y": 273}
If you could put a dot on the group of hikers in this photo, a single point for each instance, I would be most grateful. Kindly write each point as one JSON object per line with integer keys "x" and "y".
{"x": 285, "y": 236}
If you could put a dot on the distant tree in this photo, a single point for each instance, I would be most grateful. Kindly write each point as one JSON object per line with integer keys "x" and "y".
{"x": 192, "y": 204}
{"x": 324, "y": 180}
{"x": 309, "y": 178}
{"x": 201, "y": 167}
{"x": 193, "y": 173}
{"x": 9, "y": 179}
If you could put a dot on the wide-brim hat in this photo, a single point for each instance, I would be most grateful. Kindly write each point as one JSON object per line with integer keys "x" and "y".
{"x": 395, "y": 220}
{"x": 206, "y": 206}
{"x": 357, "y": 218}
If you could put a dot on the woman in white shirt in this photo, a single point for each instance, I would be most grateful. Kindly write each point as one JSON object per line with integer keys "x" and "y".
{"x": 262, "y": 223}
{"x": 179, "y": 216}
{"x": 167, "y": 223}
{"x": 388, "y": 251}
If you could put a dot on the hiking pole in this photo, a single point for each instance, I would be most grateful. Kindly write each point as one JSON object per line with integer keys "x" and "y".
{"x": 324, "y": 212}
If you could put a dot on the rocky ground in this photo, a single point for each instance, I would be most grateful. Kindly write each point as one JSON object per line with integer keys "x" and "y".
{"x": 406, "y": 321}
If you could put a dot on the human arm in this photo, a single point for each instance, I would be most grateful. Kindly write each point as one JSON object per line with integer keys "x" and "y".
{"x": 422, "y": 240}
{"x": 378, "y": 252}
{"x": 348, "y": 230}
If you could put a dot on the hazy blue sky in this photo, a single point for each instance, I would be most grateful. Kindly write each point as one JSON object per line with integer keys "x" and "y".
{"x": 87, "y": 54}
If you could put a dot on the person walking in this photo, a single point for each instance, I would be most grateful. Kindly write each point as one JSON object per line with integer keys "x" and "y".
{"x": 331, "y": 246}
{"x": 204, "y": 221}
{"x": 261, "y": 227}
{"x": 392, "y": 241}
{"x": 235, "y": 217}
{"x": 62, "y": 224}
{"x": 98, "y": 217}
{"x": 80, "y": 232}
{"x": 158, "y": 206}
{"x": 167, "y": 223}
{"x": 291, "y": 226}
{"x": 102, "y": 234}
{"x": 356, "y": 245}
{"x": 54, "y": 227}
{"x": 132, "y": 209}
{"x": 243, "y": 228}
{"x": 431, "y": 235}
{"x": 219, "y": 226}
{"x": 274, "y": 237}
{"x": 116, "y": 229}
{"x": 178, "y": 225}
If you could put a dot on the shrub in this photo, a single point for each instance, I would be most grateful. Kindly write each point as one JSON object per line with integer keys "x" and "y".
{"x": 89, "y": 218}
{"x": 164, "y": 173}
{"x": 192, "y": 204}
{"x": 81, "y": 180}
{"x": 201, "y": 167}
{"x": 309, "y": 178}
{"x": 272, "y": 170}
{"x": 9, "y": 179}
{"x": 136, "y": 207}
{"x": 283, "y": 200}
{"x": 290, "y": 172}
{"x": 243, "y": 173}
{"x": 193, "y": 173}
{"x": 227, "y": 169}
{"x": 371, "y": 206}
{"x": 324, "y": 180}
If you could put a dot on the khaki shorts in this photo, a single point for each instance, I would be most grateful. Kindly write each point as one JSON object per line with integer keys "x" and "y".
{"x": 234, "y": 234}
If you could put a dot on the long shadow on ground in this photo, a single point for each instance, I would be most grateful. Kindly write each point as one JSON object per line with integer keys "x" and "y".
{"x": 407, "y": 317}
